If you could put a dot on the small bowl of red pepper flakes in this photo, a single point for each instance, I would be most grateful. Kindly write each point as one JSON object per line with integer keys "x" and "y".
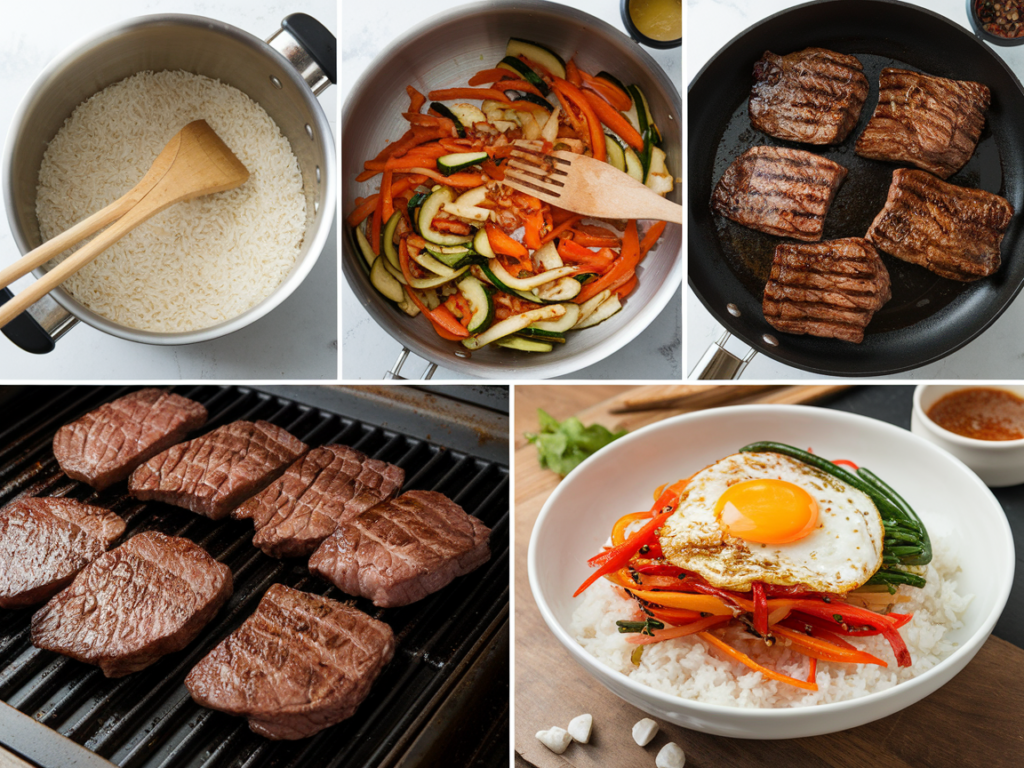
{"x": 1000, "y": 22}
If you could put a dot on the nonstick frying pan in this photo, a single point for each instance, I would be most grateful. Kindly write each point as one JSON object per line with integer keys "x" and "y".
{"x": 928, "y": 317}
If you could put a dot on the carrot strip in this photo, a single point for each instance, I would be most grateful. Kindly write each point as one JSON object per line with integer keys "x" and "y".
{"x": 540, "y": 69}
{"x": 375, "y": 223}
{"x": 416, "y": 99}
{"x": 430, "y": 121}
{"x": 441, "y": 318}
{"x": 366, "y": 175}
{"x": 651, "y": 238}
{"x": 577, "y": 97}
{"x": 812, "y": 670}
{"x": 577, "y": 124}
{"x": 387, "y": 208}
{"x": 691, "y": 601}
{"x": 614, "y": 95}
{"x": 500, "y": 152}
{"x": 575, "y": 253}
{"x": 614, "y": 120}
{"x": 561, "y": 228}
{"x": 455, "y": 180}
{"x": 492, "y": 170}
{"x": 744, "y": 659}
{"x": 363, "y": 210}
{"x": 627, "y": 287}
{"x": 572, "y": 74}
{"x": 822, "y": 649}
{"x": 673, "y": 632}
{"x": 620, "y": 272}
{"x": 521, "y": 85}
{"x": 461, "y": 145}
{"x": 505, "y": 245}
{"x": 595, "y": 237}
{"x": 490, "y": 76}
{"x": 479, "y": 94}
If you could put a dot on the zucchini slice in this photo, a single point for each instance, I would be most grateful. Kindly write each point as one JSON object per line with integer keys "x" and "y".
{"x": 385, "y": 283}
{"x": 369, "y": 257}
{"x": 643, "y": 118}
{"x": 588, "y": 307}
{"x": 524, "y": 345}
{"x": 423, "y": 283}
{"x": 563, "y": 289}
{"x": 611, "y": 79}
{"x": 513, "y": 324}
{"x": 426, "y": 260}
{"x": 634, "y": 167}
{"x": 616, "y": 154}
{"x": 522, "y": 69}
{"x": 547, "y": 256}
{"x": 443, "y": 111}
{"x": 529, "y": 97}
{"x": 481, "y": 244}
{"x": 449, "y": 164}
{"x": 481, "y": 301}
{"x": 608, "y": 308}
{"x": 467, "y": 114}
{"x": 455, "y": 257}
{"x": 539, "y": 335}
{"x": 526, "y": 283}
{"x": 562, "y": 324}
{"x": 395, "y": 272}
{"x": 388, "y": 240}
{"x": 496, "y": 282}
{"x": 428, "y": 212}
{"x": 535, "y": 52}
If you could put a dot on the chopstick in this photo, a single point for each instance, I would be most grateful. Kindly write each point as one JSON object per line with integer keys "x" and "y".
{"x": 694, "y": 398}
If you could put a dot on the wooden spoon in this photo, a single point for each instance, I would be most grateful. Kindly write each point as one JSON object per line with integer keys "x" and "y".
{"x": 194, "y": 163}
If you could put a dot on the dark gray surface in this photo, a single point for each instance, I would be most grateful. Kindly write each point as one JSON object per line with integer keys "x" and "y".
{"x": 893, "y": 404}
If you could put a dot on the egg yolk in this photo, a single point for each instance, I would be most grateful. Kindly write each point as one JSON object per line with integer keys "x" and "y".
{"x": 767, "y": 511}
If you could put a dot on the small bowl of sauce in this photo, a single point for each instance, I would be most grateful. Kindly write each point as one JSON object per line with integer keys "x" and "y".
{"x": 654, "y": 23}
{"x": 982, "y": 425}
{"x": 1000, "y": 22}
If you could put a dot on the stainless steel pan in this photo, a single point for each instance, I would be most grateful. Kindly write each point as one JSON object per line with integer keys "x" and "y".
{"x": 444, "y": 52}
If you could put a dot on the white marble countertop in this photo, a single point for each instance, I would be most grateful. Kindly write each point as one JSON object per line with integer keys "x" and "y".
{"x": 367, "y": 350}
{"x": 296, "y": 341}
{"x": 996, "y": 354}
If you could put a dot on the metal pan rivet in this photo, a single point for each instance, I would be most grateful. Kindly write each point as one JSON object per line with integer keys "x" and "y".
{"x": 733, "y": 310}
{"x": 276, "y": 82}
{"x": 463, "y": 354}
{"x": 309, "y": 130}
{"x": 316, "y": 206}
{"x": 770, "y": 340}
{"x": 318, "y": 174}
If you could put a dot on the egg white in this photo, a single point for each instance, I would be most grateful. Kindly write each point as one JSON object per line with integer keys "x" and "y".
{"x": 841, "y": 553}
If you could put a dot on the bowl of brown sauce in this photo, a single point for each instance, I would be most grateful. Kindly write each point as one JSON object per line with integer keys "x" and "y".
{"x": 980, "y": 424}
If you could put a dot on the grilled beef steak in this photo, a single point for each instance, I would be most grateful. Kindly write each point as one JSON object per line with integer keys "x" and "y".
{"x": 785, "y": 192}
{"x": 44, "y": 542}
{"x": 105, "y": 445}
{"x": 213, "y": 474}
{"x": 813, "y": 96}
{"x": 322, "y": 489}
{"x": 149, "y": 597}
{"x": 299, "y": 664}
{"x": 402, "y": 550}
{"x": 829, "y": 289}
{"x": 953, "y": 231}
{"x": 930, "y": 122}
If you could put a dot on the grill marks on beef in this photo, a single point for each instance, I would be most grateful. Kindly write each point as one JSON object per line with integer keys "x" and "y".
{"x": 813, "y": 96}
{"x": 954, "y": 231}
{"x": 105, "y": 445}
{"x": 214, "y": 473}
{"x": 785, "y": 192}
{"x": 299, "y": 664}
{"x": 149, "y": 597}
{"x": 44, "y": 542}
{"x": 315, "y": 494}
{"x": 931, "y": 122}
{"x": 403, "y": 550}
{"x": 830, "y": 289}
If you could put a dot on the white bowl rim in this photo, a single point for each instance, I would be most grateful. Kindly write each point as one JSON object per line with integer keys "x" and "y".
{"x": 953, "y": 437}
{"x": 592, "y": 665}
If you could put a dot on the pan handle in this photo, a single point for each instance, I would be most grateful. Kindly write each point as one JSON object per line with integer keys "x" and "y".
{"x": 309, "y": 47}
{"x": 720, "y": 363}
{"x": 38, "y": 328}
{"x": 397, "y": 368}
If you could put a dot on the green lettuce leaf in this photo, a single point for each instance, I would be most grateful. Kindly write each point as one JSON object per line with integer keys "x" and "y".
{"x": 562, "y": 446}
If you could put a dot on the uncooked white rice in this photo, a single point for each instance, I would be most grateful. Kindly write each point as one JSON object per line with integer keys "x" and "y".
{"x": 686, "y": 667}
{"x": 200, "y": 262}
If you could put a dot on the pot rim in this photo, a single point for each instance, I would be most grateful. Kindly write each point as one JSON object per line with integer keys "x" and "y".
{"x": 327, "y": 211}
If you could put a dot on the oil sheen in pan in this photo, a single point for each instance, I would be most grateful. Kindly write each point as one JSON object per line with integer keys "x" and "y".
{"x": 860, "y": 198}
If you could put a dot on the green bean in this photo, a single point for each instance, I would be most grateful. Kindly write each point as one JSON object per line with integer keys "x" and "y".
{"x": 908, "y": 511}
{"x": 894, "y": 576}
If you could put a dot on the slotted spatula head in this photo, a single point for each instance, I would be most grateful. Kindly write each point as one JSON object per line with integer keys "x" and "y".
{"x": 584, "y": 185}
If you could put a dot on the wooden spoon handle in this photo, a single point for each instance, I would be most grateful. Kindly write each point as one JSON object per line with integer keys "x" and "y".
{"x": 645, "y": 204}
{"x": 129, "y": 220}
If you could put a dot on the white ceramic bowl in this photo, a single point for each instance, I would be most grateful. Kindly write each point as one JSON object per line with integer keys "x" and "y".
{"x": 998, "y": 462}
{"x": 577, "y": 518}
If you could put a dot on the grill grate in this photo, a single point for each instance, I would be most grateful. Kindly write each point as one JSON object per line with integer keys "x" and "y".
{"x": 148, "y": 719}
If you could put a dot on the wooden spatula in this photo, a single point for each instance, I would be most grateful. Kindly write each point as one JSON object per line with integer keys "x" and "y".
{"x": 194, "y": 163}
{"x": 584, "y": 185}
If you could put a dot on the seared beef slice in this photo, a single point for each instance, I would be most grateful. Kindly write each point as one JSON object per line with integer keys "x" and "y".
{"x": 213, "y": 474}
{"x": 322, "y": 489}
{"x": 954, "y": 231}
{"x": 149, "y": 597}
{"x": 930, "y": 122}
{"x": 403, "y": 550}
{"x": 813, "y": 96}
{"x": 829, "y": 289}
{"x": 44, "y": 542}
{"x": 105, "y": 445}
{"x": 299, "y": 664}
{"x": 784, "y": 192}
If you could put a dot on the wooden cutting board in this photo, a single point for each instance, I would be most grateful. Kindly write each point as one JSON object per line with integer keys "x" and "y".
{"x": 975, "y": 720}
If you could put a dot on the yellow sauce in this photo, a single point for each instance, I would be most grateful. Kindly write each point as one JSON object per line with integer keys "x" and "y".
{"x": 658, "y": 19}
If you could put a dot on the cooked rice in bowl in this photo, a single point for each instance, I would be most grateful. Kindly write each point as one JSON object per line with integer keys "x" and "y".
{"x": 686, "y": 667}
{"x": 199, "y": 262}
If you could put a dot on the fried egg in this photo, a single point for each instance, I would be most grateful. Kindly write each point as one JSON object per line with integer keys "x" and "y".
{"x": 767, "y": 517}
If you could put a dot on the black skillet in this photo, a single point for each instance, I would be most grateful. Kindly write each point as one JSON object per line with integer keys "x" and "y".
{"x": 928, "y": 317}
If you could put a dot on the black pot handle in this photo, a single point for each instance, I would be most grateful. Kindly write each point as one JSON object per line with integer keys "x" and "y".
{"x": 24, "y": 331}
{"x": 318, "y": 41}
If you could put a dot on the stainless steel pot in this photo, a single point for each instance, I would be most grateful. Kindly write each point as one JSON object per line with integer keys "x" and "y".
{"x": 284, "y": 75}
{"x": 444, "y": 52}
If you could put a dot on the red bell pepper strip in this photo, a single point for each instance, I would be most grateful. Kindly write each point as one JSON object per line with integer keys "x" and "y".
{"x": 820, "y": 648}
{"x": 760, "y": 609}
{"x": 845, "y": 463}
{"x": 680, "y": 630}
{"x": 849, "y": 614}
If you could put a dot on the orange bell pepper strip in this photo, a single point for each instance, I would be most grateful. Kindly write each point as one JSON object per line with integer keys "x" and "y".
{"x": 505, "y": 245}
{"x": 579, "y": 100}
{"x": 689, "y": 601}
{"x": 572, "y": 74}
{"x": 362, "y": 210}
{"x": 614, "y": 95}
{"x": 674, "y": 616}
{"x": 692, "y": 628}
{"x": 441, "y": 318}
{"x": 531, "y": 230}
{"x": 416, "y": 99}
{"x": 571, "y": 221}
{"x": 621, "y": 271}
{"x": 819, "y": 648}
{"x": 614, "y": 120}
{"x": 495, "y": 172}
{"x": 571, "y": 251}
{"x": 744, "y": 659}
{"x": 595, "y": 237}
{"x": 490, "y": 76}
{"x": 651, "y": 238}
{"x": 477, "y": 94}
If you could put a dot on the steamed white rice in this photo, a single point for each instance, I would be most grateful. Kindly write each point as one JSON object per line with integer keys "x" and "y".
{"x": 687, "y": 667}
{"x": 200, "y": 262}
